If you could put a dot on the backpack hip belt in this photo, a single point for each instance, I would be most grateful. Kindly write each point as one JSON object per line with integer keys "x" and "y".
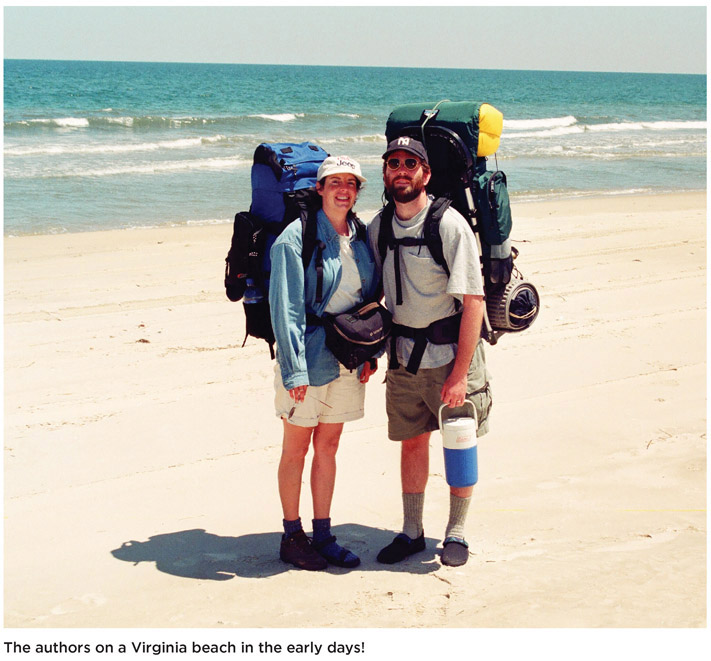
{"x": 442, "y": 331}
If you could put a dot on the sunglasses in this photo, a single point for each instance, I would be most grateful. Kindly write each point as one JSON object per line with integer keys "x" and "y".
{"x": 409, "y": 163}
{"x": 293, "y": 408}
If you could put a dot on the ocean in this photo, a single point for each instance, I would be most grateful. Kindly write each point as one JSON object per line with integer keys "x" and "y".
{"x": 111, "y": 145}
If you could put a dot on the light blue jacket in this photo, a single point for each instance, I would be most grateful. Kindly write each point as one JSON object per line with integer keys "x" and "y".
{"x": 301, "y": 350}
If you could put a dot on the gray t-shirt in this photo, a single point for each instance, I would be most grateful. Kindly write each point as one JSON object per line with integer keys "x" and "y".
{"x": 427, "y": 293}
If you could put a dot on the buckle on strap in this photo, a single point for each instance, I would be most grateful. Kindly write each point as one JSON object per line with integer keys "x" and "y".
{"x": 442, "y": 331}
{"x": 313, "y": 319}
{"x": 418, "y": 349}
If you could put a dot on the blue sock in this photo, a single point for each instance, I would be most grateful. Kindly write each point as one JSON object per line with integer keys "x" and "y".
{"x": 322, "y": 529}
{"x": 290, "y": 527}
{"x": 333, "y": 552}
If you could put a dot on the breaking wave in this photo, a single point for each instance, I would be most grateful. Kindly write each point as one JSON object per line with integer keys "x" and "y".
{"x": 557, "y": 126}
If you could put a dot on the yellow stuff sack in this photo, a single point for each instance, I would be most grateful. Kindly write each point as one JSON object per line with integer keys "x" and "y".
{"x": 491, "y": 123}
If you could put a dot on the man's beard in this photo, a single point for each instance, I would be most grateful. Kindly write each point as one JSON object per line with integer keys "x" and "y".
{"x": 405, "y": 195}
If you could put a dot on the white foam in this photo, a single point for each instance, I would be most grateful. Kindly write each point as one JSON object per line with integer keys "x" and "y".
{"x": 180, "y": 121}
{"x": 180, "y": 143}
{"x": 67, "y": 122}
{"x": 544, "y": 123}
{"x": 675, "y": 126}
{"x": 209, "y": 221}
{"x": 621, "y": 126}
{"x": 372, "y": 137}
{"x": 610, "y": 127}
{"x": 80, "y": 170}
{"x": 539, "y": 196}
{"x": 647, "y": 126}
{"x": 280, "y": 117}
{"x": 227, "y": 163}
{"x": 71, "y": 122}
{"x": 214, "y": 139}
{"x": 561, "y": 130}
{"x": 123, "y": 121}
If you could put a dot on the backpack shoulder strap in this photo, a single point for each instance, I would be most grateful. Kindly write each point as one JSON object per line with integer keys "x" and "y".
{"x": 311, "y": 243}
{"x": 308, "y": 236}
{"x": 385, "y": 232}
{"x": 430, "y": 238}
{"x": 431, "y": 230}
{"x": 360, "y": 229}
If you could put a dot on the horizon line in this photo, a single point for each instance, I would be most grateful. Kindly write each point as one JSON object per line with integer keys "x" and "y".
{"x": 350, "y": 66}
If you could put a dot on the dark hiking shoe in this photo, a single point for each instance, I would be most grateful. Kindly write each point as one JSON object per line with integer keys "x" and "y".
{"x": 297, "y": 550}
{"x": 400, "y": 548}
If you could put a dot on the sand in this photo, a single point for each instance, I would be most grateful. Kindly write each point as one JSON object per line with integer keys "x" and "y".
{"x": 141, "y": 447}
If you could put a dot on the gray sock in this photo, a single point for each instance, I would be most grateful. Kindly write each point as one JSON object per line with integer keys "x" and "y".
{"x": 412, "y": 505}
{"x": 457, "y": 516}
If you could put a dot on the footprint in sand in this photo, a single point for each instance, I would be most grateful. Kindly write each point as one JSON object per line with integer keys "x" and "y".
{"x": 638, "y": 544}
{"x": 78, "y": 603}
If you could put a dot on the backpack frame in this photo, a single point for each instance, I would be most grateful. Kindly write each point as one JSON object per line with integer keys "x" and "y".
{"x": 459, "y": 174}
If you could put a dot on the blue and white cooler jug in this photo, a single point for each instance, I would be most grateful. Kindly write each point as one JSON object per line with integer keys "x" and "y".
{"x": 459, "y": 440}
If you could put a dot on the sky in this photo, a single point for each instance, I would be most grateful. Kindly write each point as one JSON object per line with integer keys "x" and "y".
{"x": 639, "y": 39}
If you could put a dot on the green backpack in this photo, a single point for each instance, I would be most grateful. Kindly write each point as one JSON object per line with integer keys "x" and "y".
{"x": 458, "y": 137}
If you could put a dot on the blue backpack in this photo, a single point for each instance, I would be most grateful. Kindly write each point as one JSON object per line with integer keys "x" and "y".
{"x": 279, "y": 171}
{"x": 283, "y": 189}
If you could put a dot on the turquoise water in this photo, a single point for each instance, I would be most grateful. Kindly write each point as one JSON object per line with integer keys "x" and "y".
{"x": 103, "y": 145}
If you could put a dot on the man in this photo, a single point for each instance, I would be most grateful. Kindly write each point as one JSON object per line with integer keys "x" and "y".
{"x": 421, "y": 375}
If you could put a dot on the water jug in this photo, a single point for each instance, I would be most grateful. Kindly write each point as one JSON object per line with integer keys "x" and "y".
{"x": 459, "y": 441}
{"x": 253, "y": 294}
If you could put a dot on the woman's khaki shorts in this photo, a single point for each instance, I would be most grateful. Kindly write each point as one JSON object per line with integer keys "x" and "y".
{"x": 412, "y": 401}
{"x": 341, "y": 400}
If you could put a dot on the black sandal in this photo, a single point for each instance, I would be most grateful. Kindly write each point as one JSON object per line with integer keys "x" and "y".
{"x": 400, "y": 548}
{"x": 338, "y": 556}
{"x": 455, "y": 552}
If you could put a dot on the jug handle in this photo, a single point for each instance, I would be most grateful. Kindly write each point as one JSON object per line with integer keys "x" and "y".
{"x": 466, "y": 401}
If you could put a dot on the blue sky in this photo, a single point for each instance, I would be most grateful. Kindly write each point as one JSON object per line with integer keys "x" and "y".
{"x": 644, "y": 39}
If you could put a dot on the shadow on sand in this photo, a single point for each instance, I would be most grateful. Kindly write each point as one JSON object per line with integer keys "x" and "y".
{"x": 201, "y": 555}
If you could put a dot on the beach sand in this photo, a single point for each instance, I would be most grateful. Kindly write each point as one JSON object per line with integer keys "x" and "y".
{"x": 141, "y": 446}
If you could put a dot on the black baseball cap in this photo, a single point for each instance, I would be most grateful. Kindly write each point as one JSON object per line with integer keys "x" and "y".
{"x": 410, "y": 145}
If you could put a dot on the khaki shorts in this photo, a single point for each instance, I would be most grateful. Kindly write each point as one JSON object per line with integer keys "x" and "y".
{"x": 342, "y": 400}
{"x": 412, "y": 401}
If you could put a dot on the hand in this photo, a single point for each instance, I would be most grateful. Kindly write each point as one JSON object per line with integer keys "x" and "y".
{"x": 298, "y": 394}
{"x": 454, "y": 391}
{"x": 368, "y": 370}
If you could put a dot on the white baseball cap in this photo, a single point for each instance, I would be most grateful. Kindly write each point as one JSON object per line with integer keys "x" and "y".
{"x": 340, "y": 165}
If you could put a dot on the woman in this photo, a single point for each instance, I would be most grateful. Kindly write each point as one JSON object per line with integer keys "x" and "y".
{"x": 315, "y": 395}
